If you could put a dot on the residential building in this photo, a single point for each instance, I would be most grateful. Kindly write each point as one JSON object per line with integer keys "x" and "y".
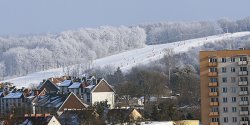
{"x": 15, "y": 102}
{"x": 38, "y": 119}
{"x": 99, "y": 92}
{"x": 224, "y": 87}
{"x": 72, "y": 103}
{"x": 49, "y": 86}
{"x": 90, "y": 90}
{"x": 118, "y": 116}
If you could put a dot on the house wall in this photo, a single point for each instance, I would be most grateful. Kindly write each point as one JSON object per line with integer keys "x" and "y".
{"x": 103, "y": 96}
{"x": 8, "y": 104}
{"x": 135, "y": 115}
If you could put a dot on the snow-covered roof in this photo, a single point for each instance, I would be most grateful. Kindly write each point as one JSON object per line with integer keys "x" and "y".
{"x": 58, "y": 104}
{"x": 75, "y": 85}
{"x": 13, "y": 95}
{"x": 90, "y": 87}
{"x": 65, "y": 83}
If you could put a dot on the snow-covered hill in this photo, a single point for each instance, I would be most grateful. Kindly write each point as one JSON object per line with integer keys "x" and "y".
{"x": 127, "y": 60}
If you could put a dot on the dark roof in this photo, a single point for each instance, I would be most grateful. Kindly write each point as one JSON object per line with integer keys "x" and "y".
{"x": 72, "y": 103}
{"x": 49, "y": 86}
{"x": 36, "y": 119}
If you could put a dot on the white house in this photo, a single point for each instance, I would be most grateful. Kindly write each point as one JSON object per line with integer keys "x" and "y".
{"x": 101, "y": 91}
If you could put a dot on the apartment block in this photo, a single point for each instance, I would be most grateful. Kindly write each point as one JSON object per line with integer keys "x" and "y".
{"x": 224, "y": 87}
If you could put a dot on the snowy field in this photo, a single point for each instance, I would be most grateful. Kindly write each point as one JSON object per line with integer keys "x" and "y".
{"x": 126, "y": 60}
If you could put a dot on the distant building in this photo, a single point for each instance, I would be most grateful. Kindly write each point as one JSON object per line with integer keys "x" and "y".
{"x": 38, "y": 119}
{"x": 72, "y": 103}
{"x": 15, "y": 103}
{"x": 90, "y": 90}
{"x": 224, "y": 87}
{"x": 49, "y": 86}
{"x": 117, "y": 116}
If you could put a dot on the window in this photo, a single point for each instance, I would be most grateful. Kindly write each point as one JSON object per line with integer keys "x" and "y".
{"x": 234, "y": 119}
{"x": 213, "y": 79}
{"x": 225, "y": 119}
{"x": 224, "y": 90}
{"x": 213, "y": 89}
{"x": 233, "y": 79}
{"x": 243, "y": 68}
{"x": 243, "y": 58}
{"x": 232, "y": 69}
{"x": 223, "y": 60}
{"x": 224, "y": 99}
{"x": 224, "y": 79}
{"x": 233, "y": 99}
{"x": 242, "y": 79}
{"x": 244, "y": 118}
{"x": 223, "y": 69}
{"x": 214, "y": 100}
{"x": 212, "y": 69}
{"x": 233, "y": 89}
{"x": 243, "y": 98}
{"x": 212, "y": 60}
{"x": 215, "y": 109}
{"x": 243, "y": 88}
{"x": 225, "y": 109}
{"x": 215, "y": 119}
{"x": 244, "y": 108}
{"x": 232, "y": 59}
{"x": 88, "y": 97}
{"x": 234, "y": 109}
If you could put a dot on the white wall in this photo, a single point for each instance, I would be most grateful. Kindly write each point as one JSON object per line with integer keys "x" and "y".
{"x": 103, "y": 96}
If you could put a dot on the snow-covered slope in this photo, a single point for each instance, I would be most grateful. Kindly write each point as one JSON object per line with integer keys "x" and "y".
{"x": 127, "y": 60}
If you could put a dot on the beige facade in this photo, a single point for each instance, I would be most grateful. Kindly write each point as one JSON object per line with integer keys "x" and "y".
{"x": 224, "y": 87}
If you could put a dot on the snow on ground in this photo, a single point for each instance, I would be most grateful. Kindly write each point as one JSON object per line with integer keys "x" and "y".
{"x": 126, "y": 60}
{"x": 158, "y": 123}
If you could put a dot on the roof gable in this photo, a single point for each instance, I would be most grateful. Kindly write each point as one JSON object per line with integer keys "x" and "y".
{"x": 102, "y": 86}
{"x": 72, "y": 103}
{"x": 49, "y": 86}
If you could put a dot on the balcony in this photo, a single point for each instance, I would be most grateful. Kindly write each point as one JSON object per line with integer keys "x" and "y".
{"x": 243, "y": 83}
{"x": 242, "y": 73}
{"x": 244, "y": 112}
{"x": 214, "y": 114}
{"x": 212, "y": 94}
{"x": 243, "y": 93}
{"x": 214, "y": 104}
{"x": 213, "y": 84}
{"x": 212, "y": 74}
{"x": 242, "y": 63}
{"x": 243, "y": 103}
{"x": 244, "y": 122}
{"x": 214, "y": 123}
{"x": 212, "y": 64}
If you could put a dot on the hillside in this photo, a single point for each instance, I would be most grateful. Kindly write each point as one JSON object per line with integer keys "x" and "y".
{"x": 128, "y": 59}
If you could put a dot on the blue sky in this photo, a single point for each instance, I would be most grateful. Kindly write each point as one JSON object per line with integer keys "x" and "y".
{"x": 51, "y": 16}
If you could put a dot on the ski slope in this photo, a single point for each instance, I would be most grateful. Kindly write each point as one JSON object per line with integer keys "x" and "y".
{"x": 126, "y": 60}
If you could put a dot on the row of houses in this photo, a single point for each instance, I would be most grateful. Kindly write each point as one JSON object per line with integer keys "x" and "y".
{"x": 53, "y": 92}
{"x": 62, "y": 100}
